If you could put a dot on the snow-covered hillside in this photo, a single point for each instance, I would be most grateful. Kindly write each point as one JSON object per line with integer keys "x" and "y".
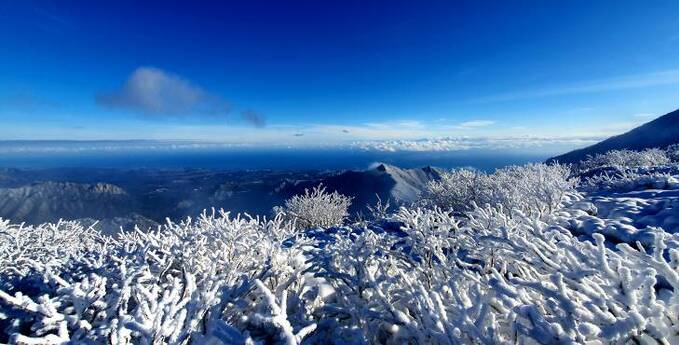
{"x": 598, "y": 265}
{"x": 660, "y": 132}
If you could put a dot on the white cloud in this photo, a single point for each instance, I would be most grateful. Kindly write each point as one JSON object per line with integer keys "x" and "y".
{"x": 666, "y": 77}
{"x": 475, "y": 124}
{"x": 644, "y": 115}
{"x": 153, "y": 91}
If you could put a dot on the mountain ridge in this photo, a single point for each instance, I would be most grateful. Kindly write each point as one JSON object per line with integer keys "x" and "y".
{"x": 390, "y": 183}
{"x": 658, "y": 133}
{"x": 46, "y": 201}
{"x": 122, "y": 198}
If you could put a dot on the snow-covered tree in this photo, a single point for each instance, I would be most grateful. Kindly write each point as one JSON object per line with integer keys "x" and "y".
{"x": 316, "y": 208}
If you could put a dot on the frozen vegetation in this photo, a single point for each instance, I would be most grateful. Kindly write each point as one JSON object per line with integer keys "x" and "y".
{"x": 526, "y": 255}
{"x": 315, "y": 208}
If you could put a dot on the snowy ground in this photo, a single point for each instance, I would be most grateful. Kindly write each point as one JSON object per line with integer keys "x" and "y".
{"x": 624, "y": 209}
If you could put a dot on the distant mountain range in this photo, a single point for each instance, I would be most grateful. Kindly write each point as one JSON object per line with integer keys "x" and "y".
{"x": 123, "y": 198}
{"x": 659, "y": 133}
{"x": 49, "y": 201}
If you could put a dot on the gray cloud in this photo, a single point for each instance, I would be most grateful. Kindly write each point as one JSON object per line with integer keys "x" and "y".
{"x": 299, "y": 134}
{"x": 345, "y": 131}
{"x": 153, "y": 91}
{"x": 254, "y": 118}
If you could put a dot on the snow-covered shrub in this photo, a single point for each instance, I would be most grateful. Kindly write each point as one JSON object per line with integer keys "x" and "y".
{"x": 629, "y": 180}
{"x": 623, "y": 159}
{"x": 31, "y": 250}
{"x": 431, "y": 235}
{"x": 380, "y": 210}
{"x": 540, "y": 282}
{"x": 672, "y": 152}
{"x": 316, "y": 208}
{"x": 189, "y": 281}
{"x": 489, "y": 279}
{"x": 533, "y": 189}
{"x": 458, "y": 190}
{"x": 494, "y": 279}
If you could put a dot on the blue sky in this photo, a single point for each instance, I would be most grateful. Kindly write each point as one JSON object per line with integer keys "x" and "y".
{"x": 309, "y": 72}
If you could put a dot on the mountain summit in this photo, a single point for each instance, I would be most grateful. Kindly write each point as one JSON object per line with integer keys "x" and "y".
{"x": 660, "y": 132}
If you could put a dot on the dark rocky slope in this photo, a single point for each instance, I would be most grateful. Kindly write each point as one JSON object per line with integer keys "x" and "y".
{"x": 659, "y": 133}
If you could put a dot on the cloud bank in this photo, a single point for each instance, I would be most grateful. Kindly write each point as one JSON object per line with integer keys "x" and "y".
{"x": 445, "y": 144}
{"x": 450, "y": 144}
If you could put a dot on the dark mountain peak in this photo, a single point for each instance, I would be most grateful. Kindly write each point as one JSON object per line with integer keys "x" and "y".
{"x": 381, "y": 167}
{"x": 661, "y": 132}
{"x": 385, "y": 168}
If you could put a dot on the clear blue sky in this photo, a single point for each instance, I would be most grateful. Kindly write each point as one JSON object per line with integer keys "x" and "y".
{"x": 310, "y": 71}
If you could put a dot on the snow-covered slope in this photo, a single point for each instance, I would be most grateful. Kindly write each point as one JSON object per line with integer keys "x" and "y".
{"x": 661, "y": 132}
{"x": 631, "y": 215}
{"x": 40, "y": 202}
